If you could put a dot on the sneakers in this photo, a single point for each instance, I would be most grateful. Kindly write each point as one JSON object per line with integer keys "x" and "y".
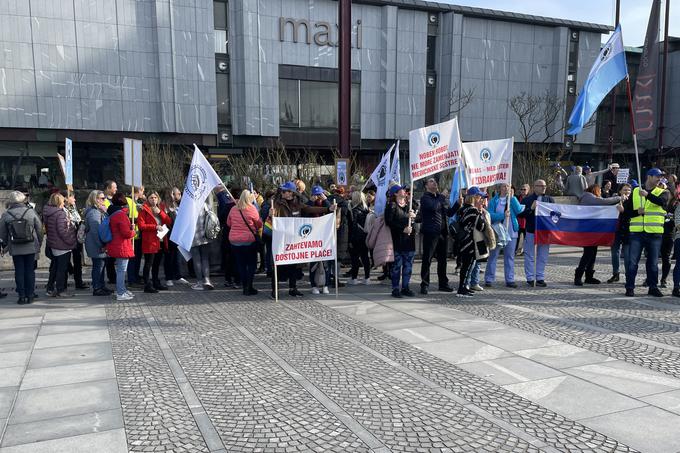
{"x": 511, "y": 284}
{"x": 654, "y": 292}
{"x": 614, "y": 278}
{"x": 630, "y": 292}
{"x": 197, "y": 287}
{"x": 169, "y": 283}
{"x": 476, "y": 288}
{"x": 663, "y": 284}
{"x": 315, "y": 291}
{"x": 530, "y": 283}
{"x": 207, "y": 285}
{"x": 541, "y": 283}
{"x": 150, "y": 289}
{"x": 407, "y": 292}
{"x": 464, "y": 293}
{"x": 354, "y": 282}
{"x": 100, "y": 292}
{"x": 488, "y": 285}
{"x": 325, "y": 290}
{"x": 396, "y": 293}
{"x": 367, "y": 281}
{"x": 446, "y": 289}
{"x": 182, "y": 281}
{"x": 124, "y": 296}
{"x": 129, "y": 293}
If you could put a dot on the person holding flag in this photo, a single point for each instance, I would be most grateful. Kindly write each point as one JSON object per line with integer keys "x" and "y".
{"x": 503, "y": 216}
{"x": 535, "y": 256}
{"x": 398, "y": 218}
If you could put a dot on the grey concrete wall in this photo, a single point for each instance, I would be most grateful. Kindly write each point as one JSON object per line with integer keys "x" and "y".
{"x": 115, "y": 65}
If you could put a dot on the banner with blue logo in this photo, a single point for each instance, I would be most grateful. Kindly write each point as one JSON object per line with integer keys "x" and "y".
{"x": 303, "y": 240}
{"x": 434, "y": 149}
{"x": 488, "y": 162}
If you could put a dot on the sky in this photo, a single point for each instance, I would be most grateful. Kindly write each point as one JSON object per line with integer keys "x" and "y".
{"x": 634, "y": 13}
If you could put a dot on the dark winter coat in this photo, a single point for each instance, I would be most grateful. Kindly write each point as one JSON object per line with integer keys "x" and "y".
{"x": 396, "y": 217}
{"x": 60, "y": 232}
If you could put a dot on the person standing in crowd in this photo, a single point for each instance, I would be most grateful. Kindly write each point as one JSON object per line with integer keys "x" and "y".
{"x": 357, "y": 238}
{"x": 75, "y": 266}
{"x": 320, "y": 271}
{"x": 592, "y": 197}
{"x": 469, "y": 219}
{"x": 591, "y": 176}
{"x": 611, "y": 176}
{"x": 521, "y": 221}
{"x": 151, "y": 221}
{"x": 535, "y": 256}
{"x": 606, "y": 189}
{"x": 472, "y": 281}
{"x": 135, "y": 264}
{"x": 434, "y": 229}
{"x": 169, "y": 205}
{"x": 110, "y": 189}
{"x": 399, "y": 219}
{"x": 120, "y": 247}
{"x": 21, "y": 235}
{"x": 503, "y": 218}
{"x": 676, "y": 239}
{"x": 244, "y": 222}
{"x": 576, "y": 183}
{"x": 646, "y": 231}
{"x": 667, "y": 238}
{"x": 267, "y": 231}
{"x": 559, "y": 176}
{"x": 61, "y": 239}
{"x": 288, "y": 203}
{"x": 621, "y": 244}
{"x": 232, "y": 277}
{"x": 95, "y": 211}
{"x": 200, "y": 249}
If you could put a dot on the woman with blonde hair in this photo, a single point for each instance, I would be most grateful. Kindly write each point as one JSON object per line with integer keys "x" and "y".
{"x": 95, "y": 211}
{"x": 244, "y": 222}
{"x": 61, "y": 240}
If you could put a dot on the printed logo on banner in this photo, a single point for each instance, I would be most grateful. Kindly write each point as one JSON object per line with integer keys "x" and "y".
{"x": 485, "y": 155}
{"x": 433, "y": 139}
{"x": 382, "y": 174}
{"x": 305, "y": 230}
{"x": 197, "y": 179}
{"x": 555, "y": 216}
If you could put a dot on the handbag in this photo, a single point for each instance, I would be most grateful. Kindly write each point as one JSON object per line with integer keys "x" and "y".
{"x": 258, "y": 239}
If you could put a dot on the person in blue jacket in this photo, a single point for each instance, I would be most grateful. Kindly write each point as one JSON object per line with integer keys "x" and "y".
{"x": 503, "y": 216}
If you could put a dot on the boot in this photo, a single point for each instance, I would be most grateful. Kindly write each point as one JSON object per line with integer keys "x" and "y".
{"x": 148, "y": 288}
{"x": 614, "y": 278}
{"x": 158, "y": 286}
{"x": 578, "y": 275}
{"x": 590, "y": 279}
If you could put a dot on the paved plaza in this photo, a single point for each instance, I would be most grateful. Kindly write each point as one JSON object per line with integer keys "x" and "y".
{"x": 532, "y": 369}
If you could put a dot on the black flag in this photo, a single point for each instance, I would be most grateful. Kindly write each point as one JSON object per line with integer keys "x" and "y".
{"x": 646, "y": 85}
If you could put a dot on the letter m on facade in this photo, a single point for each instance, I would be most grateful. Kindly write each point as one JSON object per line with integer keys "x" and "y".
{"x": 296, "y": 25}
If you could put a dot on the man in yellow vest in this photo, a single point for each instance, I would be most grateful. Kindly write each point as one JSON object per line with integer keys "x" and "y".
{"x": 646, "y": 230}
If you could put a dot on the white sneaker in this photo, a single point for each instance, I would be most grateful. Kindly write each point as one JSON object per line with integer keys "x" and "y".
{"x": 124, "y": 296}
{"x": 197, "y": 286}
{"x": 208, "y": 285}
{"x": 476, "y": 288}
{"x": 129, "y": 293}
{"x": 325, "y": 290}
{"x": 183, "y": 281}
{"x": 169, "y": 283}
{"x": 315, "y": 291}
{"x": 354, "y": 281}
{"x": 367, "y": 281}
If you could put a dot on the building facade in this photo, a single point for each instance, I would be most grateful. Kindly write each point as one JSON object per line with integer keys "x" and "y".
{"x": 230, "y": 75}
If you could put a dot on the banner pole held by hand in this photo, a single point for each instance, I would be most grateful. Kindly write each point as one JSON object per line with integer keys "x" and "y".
{"x": 335, "y": 222}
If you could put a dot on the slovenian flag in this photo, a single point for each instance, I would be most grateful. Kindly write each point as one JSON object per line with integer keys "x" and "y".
{"x": 580, "y": 226}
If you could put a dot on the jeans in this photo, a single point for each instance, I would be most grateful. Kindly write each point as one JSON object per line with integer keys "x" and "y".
{"x": 97, "y": 273}
{"x": 246, "y": 262}
{"x": 434, "y": 246}
{"x": 541, "y": 259}
{"x": 473, "y": 274}
{"x": 466, "y": 262}
{"x": 620, "y": 245}
{"x": 24, "y": 274}
{"x": 327, "y": 265}
{"x": 402, "y": 268}
{"x": 676, "y": 270}
{"x": 508, "y": 263}
{"x": 652, "y": 244}
{"x": 121, "y": 268}
{"x": 201, "y": 258}
{"x": 360, "y": 253}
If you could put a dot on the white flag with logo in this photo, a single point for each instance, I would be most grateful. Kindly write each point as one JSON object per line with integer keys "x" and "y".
{"x": 489, "y": 162}
{"x": 381, "y": 179}
{"x": 201, "y": 180}
{"x": 434, "y": 149}
{"x": 395, "y": 171}
{"x": 303, "y": 240}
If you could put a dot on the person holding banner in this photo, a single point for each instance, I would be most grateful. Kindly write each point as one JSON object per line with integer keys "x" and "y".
{"x": 399, "y": 218}
{"x": 320, "y": 272}
{"x": 244, "y": 222}
{"x": 288, "y": 203}
{"x": 535, "y": 256}
{"x": 503, "y": 221}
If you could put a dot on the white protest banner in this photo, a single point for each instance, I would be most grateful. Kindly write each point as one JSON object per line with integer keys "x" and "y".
{"x": 434, "y": 149}
{"x": 132, "y": 150}
{"x": 381, "y": 179}
{"x": 623, "y": 175}
{"x": 68, "y": 162}
{"x": 488, "y": 162}
{"x": 303, "y": 240}
{"x": 395, "y": 172}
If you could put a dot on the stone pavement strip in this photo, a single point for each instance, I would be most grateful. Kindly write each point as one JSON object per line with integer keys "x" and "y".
{"x": 555, "y": 369}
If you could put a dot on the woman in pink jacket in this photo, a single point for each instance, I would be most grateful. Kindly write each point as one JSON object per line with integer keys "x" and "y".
{"x": 244, "y": 223}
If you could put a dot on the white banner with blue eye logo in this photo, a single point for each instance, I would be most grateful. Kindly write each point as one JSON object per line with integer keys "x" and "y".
{"x": 489, "y": 162}
{"x": 303, "y": 240}
{"x": 434, "y": 149}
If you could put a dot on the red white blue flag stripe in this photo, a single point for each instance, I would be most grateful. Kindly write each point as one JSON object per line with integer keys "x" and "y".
{"x": 581, "y": 226}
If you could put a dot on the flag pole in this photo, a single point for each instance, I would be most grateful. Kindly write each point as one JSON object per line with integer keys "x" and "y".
{"x": 276, "y": 282}
{"x": 335, "y": 223}
{"x": 410, "y": 204}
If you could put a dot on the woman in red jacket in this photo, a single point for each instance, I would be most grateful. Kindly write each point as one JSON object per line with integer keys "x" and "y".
{"x": 120, "y": 247}
{"x": 244, "y": 222}
{"x": 151, "y": 221}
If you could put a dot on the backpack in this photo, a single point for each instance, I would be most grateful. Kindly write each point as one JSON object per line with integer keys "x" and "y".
{"x": 211, "y": 225}
{"x": 104, "y": 231}
{"x": 20, "y": 230}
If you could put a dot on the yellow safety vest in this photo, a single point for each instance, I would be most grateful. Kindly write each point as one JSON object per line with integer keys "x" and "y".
{"x": 653, "y": 218}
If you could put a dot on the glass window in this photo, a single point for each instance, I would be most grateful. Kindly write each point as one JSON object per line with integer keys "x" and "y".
{"x": 318, "y": 104}
{"x": 431, "y": 47}
{"x": 289, "y": 103}
{"x": 356, "y": 106}
{"x": 223, "y": 111}
{"x": 220, "y": 15}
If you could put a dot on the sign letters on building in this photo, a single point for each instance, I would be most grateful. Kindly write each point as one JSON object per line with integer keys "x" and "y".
{"x": 321, "y": 33}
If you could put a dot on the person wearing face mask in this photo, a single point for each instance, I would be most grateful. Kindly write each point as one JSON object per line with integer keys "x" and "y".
{"x": 538, "y": 258}
{"x": 152, "y": 220}
{"x": 399, "y": 219}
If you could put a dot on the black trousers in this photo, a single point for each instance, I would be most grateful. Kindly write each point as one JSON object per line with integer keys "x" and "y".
{"x": 58, "y": 272}
{"x": 171, "y": 262}
{"x": 75, "y": 265}
{"x": 110, "y": 266}
{"x": 359, "y": 253}
{"x": 666, "y": 254}
{"x": 152, "y": 262}
{"x": 587, "y": 262}
{"x": 434, "y": 245}
{"x": 466, "y": 261}
{"x": 246, "y": 261}
{"x": 287, "y": 272}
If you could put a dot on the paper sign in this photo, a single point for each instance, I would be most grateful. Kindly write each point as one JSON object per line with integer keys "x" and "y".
{"x": 434, "y": 149}
{"x": 162, "y": 232}
{"x": 623, "y": 175}
{"x": 68, "y": 162}
{"x": 132, "y": 151}
{"x": 303, "y": 240}
{"x": 489, "y": 162}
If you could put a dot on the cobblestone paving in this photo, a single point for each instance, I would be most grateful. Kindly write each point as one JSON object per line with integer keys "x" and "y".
{"x": 156, "y": 415}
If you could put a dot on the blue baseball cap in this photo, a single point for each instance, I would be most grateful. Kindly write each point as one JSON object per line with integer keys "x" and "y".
{"x": 586, "y": 168}
{"x": 317, "y": 190}
{"x": 288, "y": 186}
{"x": 654, "y": 172}
{"x": 474, "y": 190}
{"x": 634, "y": 183}
{"x": 394, "y": 189}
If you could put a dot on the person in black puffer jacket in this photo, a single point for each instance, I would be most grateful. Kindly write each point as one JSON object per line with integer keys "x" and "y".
{"x": 397, "y": 217}
{"x": 357, "y": 238}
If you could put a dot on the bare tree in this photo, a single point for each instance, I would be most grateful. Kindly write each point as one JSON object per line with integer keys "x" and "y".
{"x": 458, "y": 100}
{"x": 164, "y": 165}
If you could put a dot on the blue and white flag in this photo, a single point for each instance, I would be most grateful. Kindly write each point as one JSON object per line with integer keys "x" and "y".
{"x": 459, "y": 183}
{"x": 395, "y": 171}
{"x": 381, "y": 179}
{"x": 201, "y": 180}
{"x": 609, "y": 69}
